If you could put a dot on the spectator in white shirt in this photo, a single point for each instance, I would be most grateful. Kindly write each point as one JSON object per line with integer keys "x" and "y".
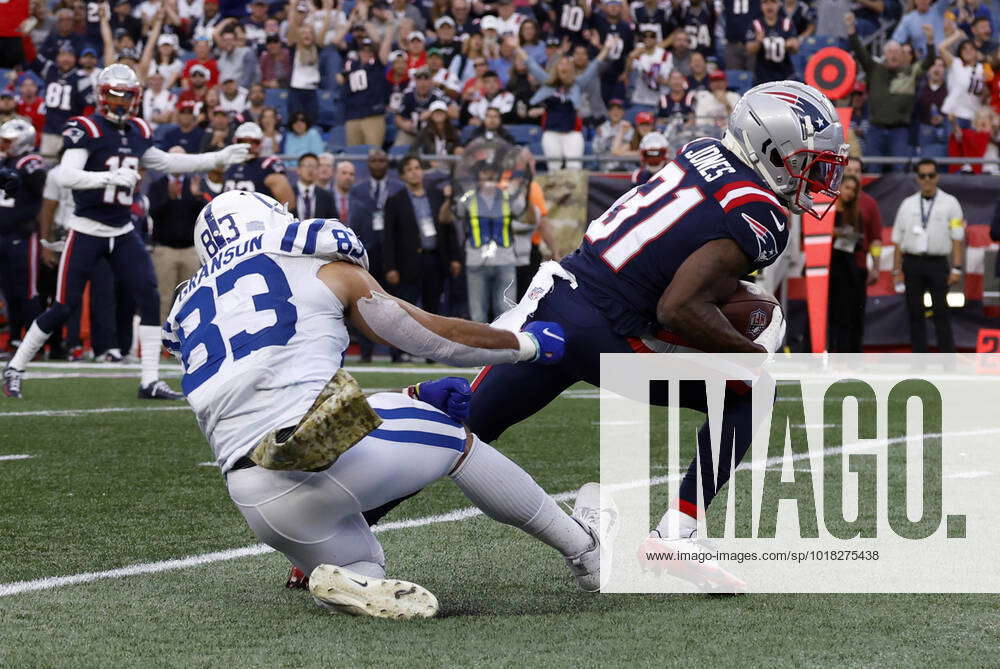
{"x": 158, "y": 103}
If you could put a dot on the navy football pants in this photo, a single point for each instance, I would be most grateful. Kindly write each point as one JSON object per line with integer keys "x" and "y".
{"x": 507, "y": 394}
{"x": 19, "y": 257}
{"x": 130, "y": 263}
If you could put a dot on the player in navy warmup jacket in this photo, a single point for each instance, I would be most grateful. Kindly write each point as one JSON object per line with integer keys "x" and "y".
{"x": 22, "y": 179}
{"x": 103, "y": 153}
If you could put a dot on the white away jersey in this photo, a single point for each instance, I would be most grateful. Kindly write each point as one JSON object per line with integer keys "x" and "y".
{"x": 258, "y": 334}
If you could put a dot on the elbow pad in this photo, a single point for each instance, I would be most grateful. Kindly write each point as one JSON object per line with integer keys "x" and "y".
{"x": 394, "y": 324}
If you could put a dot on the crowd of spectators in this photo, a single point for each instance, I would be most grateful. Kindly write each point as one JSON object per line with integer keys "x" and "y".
{"x": 424, "y": 75}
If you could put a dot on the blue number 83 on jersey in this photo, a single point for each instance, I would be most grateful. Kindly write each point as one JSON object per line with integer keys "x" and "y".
{"x": 203, "y": 348}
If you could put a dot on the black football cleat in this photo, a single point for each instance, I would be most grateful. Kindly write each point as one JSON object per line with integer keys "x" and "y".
{"x": 159, "y": 390}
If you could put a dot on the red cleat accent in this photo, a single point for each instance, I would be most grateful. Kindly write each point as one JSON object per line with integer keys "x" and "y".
{"x": 297, "y": 579}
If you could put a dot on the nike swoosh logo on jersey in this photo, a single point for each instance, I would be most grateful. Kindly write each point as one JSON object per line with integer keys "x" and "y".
{"x": 548, "y": 333}
{"x": 780, "y": 226}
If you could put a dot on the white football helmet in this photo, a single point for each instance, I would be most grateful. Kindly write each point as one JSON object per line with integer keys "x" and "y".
{"x": 653, "y": 151}
{"x": 233, "y": 216}
{"x": 119, "y": 93}
{"x": 17, "y": 137}
{"x": 791, "y": 135}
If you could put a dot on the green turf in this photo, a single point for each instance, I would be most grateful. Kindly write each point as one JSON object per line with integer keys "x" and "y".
{"x": 115, "y": 489}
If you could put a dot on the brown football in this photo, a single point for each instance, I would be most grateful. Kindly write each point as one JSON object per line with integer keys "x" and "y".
{"x": 749, "y": 309}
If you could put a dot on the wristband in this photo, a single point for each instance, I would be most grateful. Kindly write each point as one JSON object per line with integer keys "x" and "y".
{"x": 528, "y": 349}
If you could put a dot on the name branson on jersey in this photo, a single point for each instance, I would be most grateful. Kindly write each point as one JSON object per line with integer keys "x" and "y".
{"x": 710, "y": 162}
{"x": 230, "y": 254}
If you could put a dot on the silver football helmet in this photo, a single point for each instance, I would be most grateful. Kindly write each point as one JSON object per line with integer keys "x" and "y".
{"x": 17, "y": 137}
{"x": 233, "y": 216}
{"x": 251, "y": 134}
{"x": 791, "y": 135}
{"x": 119, "y": 92}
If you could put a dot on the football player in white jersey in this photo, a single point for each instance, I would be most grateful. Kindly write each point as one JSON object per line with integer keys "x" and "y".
{"x": 261, "y": 330}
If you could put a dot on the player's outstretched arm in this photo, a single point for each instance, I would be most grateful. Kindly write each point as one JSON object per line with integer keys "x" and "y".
{"x": 453, "y": 341}
{"x": 72, "y": 175}
{"x": 689, "y": 305}
{"x": 174, "y": 163}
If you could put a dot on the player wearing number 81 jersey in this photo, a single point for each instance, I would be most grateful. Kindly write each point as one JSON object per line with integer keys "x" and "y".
{"x": 102, "y": 156}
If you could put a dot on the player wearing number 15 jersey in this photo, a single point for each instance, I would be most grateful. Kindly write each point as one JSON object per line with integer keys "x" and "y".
{"x": 102, "y": 155}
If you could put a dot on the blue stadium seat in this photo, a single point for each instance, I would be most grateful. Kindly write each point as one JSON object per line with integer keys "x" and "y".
{"x": 466, "y": 133}
{"x": 739, "y": 80}
{"x": 277, "y": 98}
{"x": 398, "y": 151}
{"x": 328, "y": 109}
{"x": 525, "y": 133}
{"x": 338, "y": 138}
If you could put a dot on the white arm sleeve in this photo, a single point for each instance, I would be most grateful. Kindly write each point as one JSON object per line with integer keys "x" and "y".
{"x": 392, "y": 323}
{"x": 157, "y": 159}
{"x": 72, "y": 175}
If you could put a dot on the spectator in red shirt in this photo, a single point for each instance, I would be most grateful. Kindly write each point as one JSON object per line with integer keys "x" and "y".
{"x": 202, "y": 57}
{"x": 30, "y": 105}
{"x": 11, "y": 47}
{"x": 197, "y": 77}
{"x": 416, "y": 55}
{"x": 275, "y": 64}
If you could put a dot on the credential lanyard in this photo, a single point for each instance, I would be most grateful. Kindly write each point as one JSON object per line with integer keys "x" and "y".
{"x": 926, "y": 217}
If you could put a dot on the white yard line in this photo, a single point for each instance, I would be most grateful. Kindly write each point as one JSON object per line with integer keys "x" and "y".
{"x": 19, "y": 456}
{"x": 48, "y": 583}
{"x": 82, "y": 412}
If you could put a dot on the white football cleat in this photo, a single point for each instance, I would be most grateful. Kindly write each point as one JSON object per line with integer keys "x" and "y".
{"x": 601, "y": 524}
{"x": 660, "y": 555}
{"x": 343, "y": 591}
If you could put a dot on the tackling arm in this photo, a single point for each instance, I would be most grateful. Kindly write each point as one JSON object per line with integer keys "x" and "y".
{"x": 281, "y": 189}
{"x": 386, "y": 319}
{"x": 689, "y": 305}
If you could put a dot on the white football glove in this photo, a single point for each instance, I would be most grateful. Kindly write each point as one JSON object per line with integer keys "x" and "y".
{"x": 126, "y": 177}
{"x": 234, "y": 154}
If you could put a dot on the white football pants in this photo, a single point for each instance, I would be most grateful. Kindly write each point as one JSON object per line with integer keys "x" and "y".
{"x": 315, "y": 517}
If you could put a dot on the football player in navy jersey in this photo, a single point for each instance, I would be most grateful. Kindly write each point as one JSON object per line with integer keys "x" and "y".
{"x": 258, "y": 175}
{"x": 22, "y": 180}
{"x": 652, "y": 156}
{"x": 773, "y": 40}
{"x": 738, "y": 14}
{"x": 100, "y": 163}
{"x": 652, "y": 270}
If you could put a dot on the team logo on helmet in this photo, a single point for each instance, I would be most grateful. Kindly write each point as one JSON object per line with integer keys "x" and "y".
{"x": 804, "y": 107}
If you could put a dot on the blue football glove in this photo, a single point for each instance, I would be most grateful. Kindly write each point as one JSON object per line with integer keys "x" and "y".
{"x": 10, "y": 180}
{"x": 551, "y": 341}
{"x": 450, "y": 394}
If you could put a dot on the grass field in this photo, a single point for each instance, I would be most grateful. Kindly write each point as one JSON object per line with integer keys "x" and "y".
{"x": 104, "y": 490}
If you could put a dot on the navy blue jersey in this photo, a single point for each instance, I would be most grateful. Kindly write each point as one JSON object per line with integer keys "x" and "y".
{"x": 739, "y": 15}
{"x": 250, "y": 176}
{"x": 67, "y": 94}
{"x": 774, "y": 62}
{"x": 571, "y": 20}
{"x": 618, "y": 53}
{"x": 698, "y": 22}
{"x": 19, "y": 211}
{"x": 367, "y": 90}
{"x": 109, "y": 146}
{"x": 629, "y": 255}
{"x": 661, "y": 20}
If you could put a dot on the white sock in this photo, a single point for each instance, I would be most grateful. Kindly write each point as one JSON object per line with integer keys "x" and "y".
{"x": 32, "y": 343}
{"x": 506, "y": 493}
{"x": 677, "y": 525}
{"x": 149, "y": 340}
